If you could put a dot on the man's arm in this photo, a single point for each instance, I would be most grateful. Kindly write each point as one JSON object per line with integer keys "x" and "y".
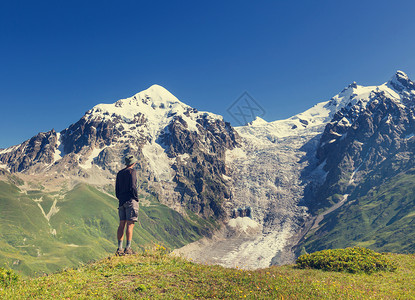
{"x": 134, "y": 184}
{"x": 117, "y": 187}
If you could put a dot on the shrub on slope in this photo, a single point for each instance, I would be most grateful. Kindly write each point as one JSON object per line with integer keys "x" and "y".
{"x": 353, "y": 260}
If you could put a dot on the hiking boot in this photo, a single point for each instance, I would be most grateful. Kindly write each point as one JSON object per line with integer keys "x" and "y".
{"x": 128, "y": 251}
{"x": 119, "y": 252}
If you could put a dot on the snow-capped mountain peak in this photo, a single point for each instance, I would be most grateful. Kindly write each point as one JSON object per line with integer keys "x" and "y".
{"x": 257, "y": 122}
{"x": 156, "y": 96}
{"x": 155, "y": 100}
{"x": 404, "y": 88}
{"x": 400, "y": 81}
{"x": 156, "y": 106}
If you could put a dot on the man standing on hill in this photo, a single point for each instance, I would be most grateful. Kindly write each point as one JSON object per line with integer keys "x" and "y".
{"x": 126, "y": 192}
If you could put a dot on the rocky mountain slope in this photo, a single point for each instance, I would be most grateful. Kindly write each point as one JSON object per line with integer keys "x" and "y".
{"x": 367, "y": 152}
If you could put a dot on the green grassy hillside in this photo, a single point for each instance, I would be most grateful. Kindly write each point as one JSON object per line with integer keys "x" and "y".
{"x": 154, "y": 275}
{"x": 44, "y": 232}
{"x": 378, "y": 215}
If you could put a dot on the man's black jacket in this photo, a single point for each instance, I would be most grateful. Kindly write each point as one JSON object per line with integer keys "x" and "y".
{"x": 126, "y": 186}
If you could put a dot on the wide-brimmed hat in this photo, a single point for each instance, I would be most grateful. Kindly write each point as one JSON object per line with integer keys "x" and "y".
{"x": 130, "y": 159}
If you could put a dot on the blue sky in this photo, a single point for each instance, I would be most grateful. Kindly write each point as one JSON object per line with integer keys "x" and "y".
{"x": 60, "y": 58}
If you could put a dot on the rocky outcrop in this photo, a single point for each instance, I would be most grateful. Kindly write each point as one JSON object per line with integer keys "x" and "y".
{"x": 97, "y": 132}
{"x": 37, "y": 151}
{"x": 404, "y": 86}
{"x": 201, "y": 163}
{"x": 358, "y": 140}
{"x": 363, "y": 138}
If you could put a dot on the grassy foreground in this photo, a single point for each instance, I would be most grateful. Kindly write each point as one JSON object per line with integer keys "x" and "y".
{"x": 153, "y": 274}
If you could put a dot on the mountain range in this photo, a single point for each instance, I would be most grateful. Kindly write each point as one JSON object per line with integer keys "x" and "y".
{"x": 339, "y": 174}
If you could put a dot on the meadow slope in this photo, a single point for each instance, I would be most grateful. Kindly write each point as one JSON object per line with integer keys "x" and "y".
{"x": 153, "y": 274}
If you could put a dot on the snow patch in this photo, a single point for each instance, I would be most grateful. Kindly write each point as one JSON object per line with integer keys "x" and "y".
{"x": 234, "y": 154}
{"x": 4, "y": 166}
{"x": 336, "y": 134}
{"x": 258, "y": 122}
{"x": 159, "y": 162}
{"x": 184, "y": 157}
{"x": 319, "y": 171}
{"x": 10, "y": 149}
{"x": 59, "y": 153}
{"x": 345, "y": 121}
{"x": 226, "y": 177}
{"x": 244, "y": 224}
{"x": 94, "y": 154}
{"x": 351, "y": 180}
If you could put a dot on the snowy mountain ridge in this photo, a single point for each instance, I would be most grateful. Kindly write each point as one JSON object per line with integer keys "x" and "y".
{"x": 156, "y": 104}
{"x": 399, "y": 88}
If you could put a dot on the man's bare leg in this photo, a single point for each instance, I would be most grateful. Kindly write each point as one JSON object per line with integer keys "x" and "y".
{"x": 129, "y": 233}
{"x": 120, "y": 236}
{"x": 120, "y": 231}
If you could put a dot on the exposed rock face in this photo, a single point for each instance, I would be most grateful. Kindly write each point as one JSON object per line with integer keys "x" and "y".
{"x": 362, "y": 137}
{"x": 368, "y": 152}
{"x": 39, "y": 149}
{"x": 401, "y": 83}
{"x": 201, "y": 164}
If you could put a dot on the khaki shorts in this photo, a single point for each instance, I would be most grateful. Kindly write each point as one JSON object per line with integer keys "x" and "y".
{"x": 129, "y": 211}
